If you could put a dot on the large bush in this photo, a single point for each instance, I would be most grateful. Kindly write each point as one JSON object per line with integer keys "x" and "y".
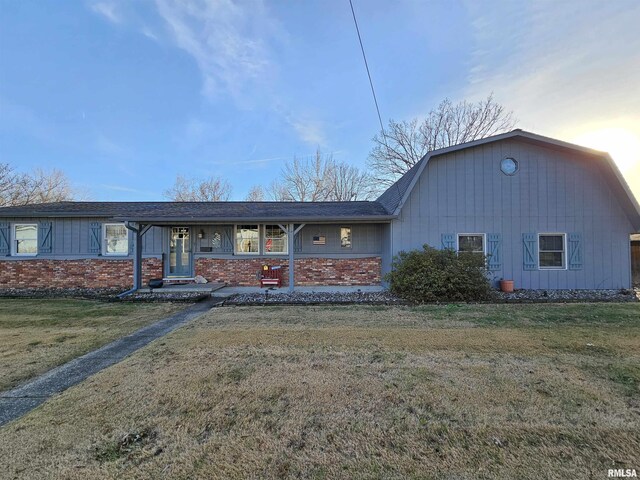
{"x": 431, "y": 275}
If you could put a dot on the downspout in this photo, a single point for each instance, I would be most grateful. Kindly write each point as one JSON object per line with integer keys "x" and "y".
{"x": 137, "y": 258}
{"x": 290, "y": 240}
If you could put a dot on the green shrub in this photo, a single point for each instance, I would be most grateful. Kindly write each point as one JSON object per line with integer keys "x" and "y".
{"x": 431, "y": 275}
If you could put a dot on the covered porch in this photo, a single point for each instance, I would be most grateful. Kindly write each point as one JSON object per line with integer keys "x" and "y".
{"x": 178, "y": 261}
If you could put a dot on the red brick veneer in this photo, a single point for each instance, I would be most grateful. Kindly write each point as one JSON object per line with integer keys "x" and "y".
{"x": 309, "y": 271}
{"x": 85, "y": 273}
{"x": 100, "y": 273}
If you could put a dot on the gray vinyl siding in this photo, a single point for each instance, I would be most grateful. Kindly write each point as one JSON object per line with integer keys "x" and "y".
{"x": 366, "y": 239}
{"x": 71, "y": 238}
{"x": 553, "y": 191}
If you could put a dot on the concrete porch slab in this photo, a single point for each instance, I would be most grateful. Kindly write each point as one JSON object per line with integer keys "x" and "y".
{"x": 228, "y": 291}
{"x": 188, "y": 287}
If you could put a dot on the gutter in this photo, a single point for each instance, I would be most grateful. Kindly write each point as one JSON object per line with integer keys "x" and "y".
{"x": 172, "y": 220}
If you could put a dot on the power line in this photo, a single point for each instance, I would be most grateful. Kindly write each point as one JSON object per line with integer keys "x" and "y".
{"x": 364, "y": 56}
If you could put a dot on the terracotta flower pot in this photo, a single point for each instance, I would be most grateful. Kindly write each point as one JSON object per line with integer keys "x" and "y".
{"x": 506, "y": 286}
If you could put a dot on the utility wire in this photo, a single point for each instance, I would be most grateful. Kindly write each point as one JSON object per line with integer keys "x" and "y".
{"x": 373, "y": 91}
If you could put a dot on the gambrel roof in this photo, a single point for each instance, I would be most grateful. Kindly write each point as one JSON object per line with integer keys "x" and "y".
{"x": 395, "y": 196}
{"x": 384, "y": 208}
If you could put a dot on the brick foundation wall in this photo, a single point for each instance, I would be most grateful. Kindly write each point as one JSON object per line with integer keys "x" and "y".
{"x": 85, "y": 273}
{"x": 309, "y": 271}
{"x": 101, "y": 273}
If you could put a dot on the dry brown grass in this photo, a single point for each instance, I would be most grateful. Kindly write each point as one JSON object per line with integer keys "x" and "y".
{"x": 37, "y": 335}
{"x": 439, "y": 392}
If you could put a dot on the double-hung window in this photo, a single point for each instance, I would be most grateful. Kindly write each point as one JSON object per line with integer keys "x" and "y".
{"x": 551, "y": 250}
{"x": 275, "y": 240}
{"x": 115, "y": 239}
{"x": 345, "y": 237}
{"x": 25, "y": 237}
{"x": 471, "y": 242}
{"x": 247, "y": 239}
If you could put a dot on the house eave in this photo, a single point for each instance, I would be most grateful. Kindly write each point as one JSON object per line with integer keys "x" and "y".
{"x": 227, "y": 220}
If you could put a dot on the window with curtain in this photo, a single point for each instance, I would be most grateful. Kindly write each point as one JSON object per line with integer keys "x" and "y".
{"x": 116, "y": 239}
{"x": 25, "y": 239}
{"x": 275, "y": 239}
{"x": 247, "y": 239}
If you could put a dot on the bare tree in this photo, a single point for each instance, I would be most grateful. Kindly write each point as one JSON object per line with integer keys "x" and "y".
{"x": 319, "y": 179}
{"x": 40, "y": 186}
{"x": 256, "y": 194}
{"x": 7, "y": 185}
{"x": 348, "y": 183}
{"x": 400, "y": 147}
{"x": 212, "y": 189}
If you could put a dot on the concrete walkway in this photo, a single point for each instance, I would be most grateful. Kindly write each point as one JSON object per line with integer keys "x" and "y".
{"x": 15, "y": 403}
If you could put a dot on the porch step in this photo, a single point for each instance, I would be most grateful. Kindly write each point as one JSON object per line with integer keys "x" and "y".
{"x": 185, "y": 287}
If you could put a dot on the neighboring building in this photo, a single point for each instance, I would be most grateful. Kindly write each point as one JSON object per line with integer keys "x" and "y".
{"x": 635, "y": 259}
{"x": 549, "y": 215}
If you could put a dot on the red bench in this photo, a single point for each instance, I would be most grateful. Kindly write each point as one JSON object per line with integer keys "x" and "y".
{"x": 271, "y": 276}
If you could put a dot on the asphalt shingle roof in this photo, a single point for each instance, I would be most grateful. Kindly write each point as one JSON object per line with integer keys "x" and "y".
{"x": 393, "y": 195}
{"x": 214, "y": 211}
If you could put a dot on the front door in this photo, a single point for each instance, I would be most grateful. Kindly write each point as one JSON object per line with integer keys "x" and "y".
{"x": 180, "y": 252}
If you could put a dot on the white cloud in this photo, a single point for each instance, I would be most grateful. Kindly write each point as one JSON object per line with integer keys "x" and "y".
{"x": 109, "y": 10}
{"x": 149, "y": 33}
{"x": 229, "y": 41}
{"x": 309, "y": 131}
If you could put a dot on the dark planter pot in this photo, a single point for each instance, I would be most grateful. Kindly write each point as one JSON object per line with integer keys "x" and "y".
{"x": 156, "y": 283}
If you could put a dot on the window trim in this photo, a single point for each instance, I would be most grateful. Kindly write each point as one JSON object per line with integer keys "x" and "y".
{"x": 235, "y": 239}
{"x": 350, "y": 235}
{"x": 14, "y": 240}
{"x": 103, "y": 240}
{"x": 484, "y": 241}
{"x": 564, "y": 251}
{"x": 264, "y": 240}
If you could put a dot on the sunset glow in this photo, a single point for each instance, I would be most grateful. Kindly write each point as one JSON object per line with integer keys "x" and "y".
{"x": 622, "y": 144}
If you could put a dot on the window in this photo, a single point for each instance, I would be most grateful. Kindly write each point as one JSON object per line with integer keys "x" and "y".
{"x": 247, "y": 239}
{"x": 116, "y": 239}
{"x": 551, "y": 250}
{"x": 25, "y": 239}
{"x": 216, "y": 241}
{"x": 275, "y": 240}
{"x": 471, "y": 242}
{"x": 345, "y": 237}
{"x": 509, "y": 166}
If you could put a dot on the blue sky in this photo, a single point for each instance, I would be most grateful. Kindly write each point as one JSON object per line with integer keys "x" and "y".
{"x": 124, "y": 95}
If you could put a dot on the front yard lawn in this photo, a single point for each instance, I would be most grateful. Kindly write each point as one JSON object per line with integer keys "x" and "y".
{"x": 37, "y": 335}
{"x": 488, "y": 391}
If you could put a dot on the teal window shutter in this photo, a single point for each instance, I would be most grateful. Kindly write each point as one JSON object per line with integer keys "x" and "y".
{"x": 448, "y": 241}
{"x": 95, "y": 236}
{"x": 227, "y": 240}
{"x": 5, "y": 243}
{"x": 575, "y": 251}
{"x": 297, "y": 242}
{"x": 530, "y": 251}
{"x": 45, "y": 240}
{"x": 494, "y": 253}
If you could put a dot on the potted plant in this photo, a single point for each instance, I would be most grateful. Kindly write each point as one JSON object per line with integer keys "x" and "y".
{"x": 506, "y": 285}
